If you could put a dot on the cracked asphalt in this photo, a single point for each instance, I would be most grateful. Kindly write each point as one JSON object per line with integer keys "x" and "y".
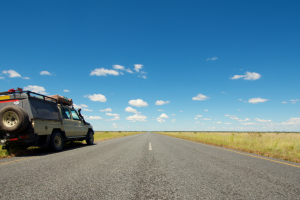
{"x": 125, "y": 168}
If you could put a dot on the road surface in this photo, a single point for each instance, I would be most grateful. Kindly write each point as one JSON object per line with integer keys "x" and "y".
{"x": 148, "y": 166}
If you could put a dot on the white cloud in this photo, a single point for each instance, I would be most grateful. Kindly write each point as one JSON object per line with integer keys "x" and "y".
{"x": 138, "y": 103}
{"x": 292, "y": 121}
{"x": 181, "y": 111}
{"x": 106, "y": 110}
{"x": 227, "y": 115}
{"x": 198, "y": 115}
{"x": 129, "y": 71}
{"x": 119, "y": 67}
{"x": 114, "y": 124}
{"x": 206, "y": 119}
{"x": 200, "y": 97}
{"x": 66, "y": 90}
{"x": 173, "y": 114}
{"x": 173, "y": 120}
{"x": 85, "y": 109}
{"x": 114, "y": 115}
{"x": 45, "y": 73}
{"x": 137, "y": 67}
{"x": 219, "y": 122}
{"x": 80, "y": 106}
{"x": 160, "y": 110}
{"x": 160, "y": 102}
{"x": 11, "y": 73}
{"x": 27, "y": 78}
{"x": 240, "y": 99}
{"x": 144, "y": 77}
{"x": 163, "y": 115}
{"x": 227, "y": 123}
{"x": 2, "y": 77}
{"x": 35, "y": 88}
{"x": 257, "y": 100}
{"x": 284, "y": 102}
{"x": 248, "y": 76}
{"x": 129, "y": 109}
{"x": 263, "y": 120}
{"x": 213, "y": 58}
{"x": 249, "y": 123}
{"x": 95, "y": 117}
{"x": 295, "y": 99}
{"x": 104, "y": 72}
{"x": 205, "y": 110}
{"x": 293, "y": 102}
{"x": 137, "y": 117}
{"x": 96, "y": 97}
{"x": 195, "y": 118}
{"x": 239, "y": 109}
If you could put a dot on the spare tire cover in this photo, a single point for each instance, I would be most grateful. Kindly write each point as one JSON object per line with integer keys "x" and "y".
{"x": 13, "y": 119}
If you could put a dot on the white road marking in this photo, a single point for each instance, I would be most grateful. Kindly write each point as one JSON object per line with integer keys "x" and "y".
{"x": 150, "y": 147}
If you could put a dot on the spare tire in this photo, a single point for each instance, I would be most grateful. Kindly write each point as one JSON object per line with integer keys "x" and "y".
{"x": 13, "y": 119}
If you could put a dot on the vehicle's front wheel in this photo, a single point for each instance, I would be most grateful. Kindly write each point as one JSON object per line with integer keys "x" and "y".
{"x": 90, "y": 138}
{"x": 56, "y": 141}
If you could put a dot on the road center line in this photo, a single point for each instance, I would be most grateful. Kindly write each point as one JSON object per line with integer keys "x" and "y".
{"x": 150, "y": 147}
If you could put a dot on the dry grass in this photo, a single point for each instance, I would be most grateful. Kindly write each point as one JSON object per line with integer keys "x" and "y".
{"x": 284, "y": 146}
{"x": 98, "y": 136}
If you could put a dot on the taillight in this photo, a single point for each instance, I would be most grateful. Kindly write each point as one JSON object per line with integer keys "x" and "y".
{"x": 13, "y": 139}
{"x": 24, "y": 137}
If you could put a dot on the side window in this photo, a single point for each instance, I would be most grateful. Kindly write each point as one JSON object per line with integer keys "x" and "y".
{"x": 74, "y": 115}
{"x": 65, "y": 113}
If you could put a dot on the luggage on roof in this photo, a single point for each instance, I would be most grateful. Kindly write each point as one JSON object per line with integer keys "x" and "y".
{"x": 61, "y": 99}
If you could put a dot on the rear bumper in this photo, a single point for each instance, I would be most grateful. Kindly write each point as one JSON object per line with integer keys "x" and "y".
{"x": 28, "y": 138}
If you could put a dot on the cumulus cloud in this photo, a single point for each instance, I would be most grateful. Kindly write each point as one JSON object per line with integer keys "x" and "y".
{"x": 160, "y": 102}
{"x": 173, "y": 120}
{"x": 129, "y": 109}
{"x": 206, "y": 119}
{"x": 295, "y": 100}
{"x": 195, "y": 118}
{"x": 85, "y": 109}
{"x": 284, "y": 102}
{"x": 160, "y": 110}
{"x": 106, "y": 110}
{"x": 263, "y": 120}
{"x": 129, "y": 71}
{"x": 249, "y": 123}
{"x": 114, "y": 115}
{"x": 104, "y": 72}
{"x": 205, "y": 110}
{"x": 35, "y": 88}
{"x": 2, "y": 77}
{"x": 45, "y": 73}
{"x": 137, "y": 117}
{"x": 66, "y": 90}
{"x": 163, "y": 115}
{"x": 27, "y": 78}
{"x": 173, "y": 114}
{"x": 248, "y": 76}
{"x": 227, "y": 123}
{"x": 198, "y": 115}
{"x": 144, "y": 77}
{"x": 96, "y": 97}
{"x": 118, "y": 67}
{"x": 95, "y": 117}
{"x": 11, "y": 73}
{"x": 200, "y": 97}
{"x": 80, "y": 106}
{"x": 227, "y": 115}
{"x": 292, "y": 121}
{"x": 219, "y": 122}
{"x": 137, "y": 67}
{"x": 257, "y": 100}
{"x": 138, "y": 103}
{"x": 213, "y": 58}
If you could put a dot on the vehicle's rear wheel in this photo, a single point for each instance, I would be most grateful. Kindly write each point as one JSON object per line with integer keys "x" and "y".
{"x": 13, "y": 119}
{"x": 56, "y": 141}
{"x": 90, "y": 138}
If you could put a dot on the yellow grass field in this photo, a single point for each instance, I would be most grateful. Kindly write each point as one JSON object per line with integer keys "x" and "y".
{"x": 98, "y": 136}
{"x": 284, "y": 146}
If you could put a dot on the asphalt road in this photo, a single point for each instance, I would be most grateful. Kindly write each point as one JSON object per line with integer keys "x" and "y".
{"x": 125, "y": 168}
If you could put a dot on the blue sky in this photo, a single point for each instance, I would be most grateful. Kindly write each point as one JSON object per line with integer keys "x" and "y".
{"x": 210, "y": 65}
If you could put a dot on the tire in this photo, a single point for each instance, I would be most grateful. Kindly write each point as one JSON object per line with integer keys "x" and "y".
{"x": 13, "y": 119}
{"x": 90, "y": 138}
{"x": 56, "y": 141}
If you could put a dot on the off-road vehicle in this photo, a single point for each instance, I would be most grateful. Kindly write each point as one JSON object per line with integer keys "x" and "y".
{"x": 32, "y": 119}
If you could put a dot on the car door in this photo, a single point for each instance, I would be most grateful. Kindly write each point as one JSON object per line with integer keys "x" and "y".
{"x": 79, "y": 126}
{"x": 68, "y": 123}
